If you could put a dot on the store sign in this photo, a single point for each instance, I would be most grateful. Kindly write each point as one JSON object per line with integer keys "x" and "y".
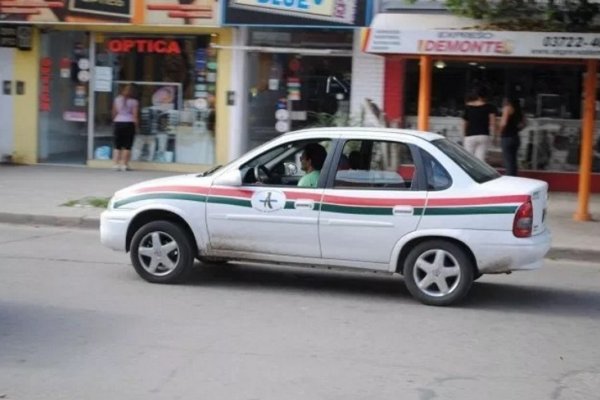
{"x": 45, "y": 78}
{"x": 297, "y": 12}
{"x": 161, "y": 46}
{"x": 75, "y": 116}
{"x": 103, "y": 79}
{"x": 114, "y": 8}
{"x": 16, "y": 36}
{"x": 139, "y": 12}
{"x": 483, "y": 43}
{"x": 337, "y": 9}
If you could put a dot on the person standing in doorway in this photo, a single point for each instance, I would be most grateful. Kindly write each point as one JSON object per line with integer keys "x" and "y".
{"x": 479, "y": 121}
{"x": 511, "y": 122}
{"x": 126, "y": 123}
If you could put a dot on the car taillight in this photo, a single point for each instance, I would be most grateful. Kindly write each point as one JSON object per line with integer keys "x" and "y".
{"x": 523, "y": 224}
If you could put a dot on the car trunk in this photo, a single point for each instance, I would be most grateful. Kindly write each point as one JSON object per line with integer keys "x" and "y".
{"x": 537, "y": 190}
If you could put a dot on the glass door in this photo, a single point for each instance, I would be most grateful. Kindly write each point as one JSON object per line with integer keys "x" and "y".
{"x": 7, "y": 93}
{"x": 64, "y": 79}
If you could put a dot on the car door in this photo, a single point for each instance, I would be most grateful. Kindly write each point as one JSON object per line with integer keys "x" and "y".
{"x": 274, "y": 217}
{"x": 372, "y": 203}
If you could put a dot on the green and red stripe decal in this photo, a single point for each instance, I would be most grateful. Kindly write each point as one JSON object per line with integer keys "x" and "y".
{"x": 337, "y": 204}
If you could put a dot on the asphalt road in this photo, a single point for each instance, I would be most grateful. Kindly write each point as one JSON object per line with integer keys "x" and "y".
{"x": 77, "y": 323}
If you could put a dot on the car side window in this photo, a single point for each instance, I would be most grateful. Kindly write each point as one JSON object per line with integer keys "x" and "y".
{"x": 437, "y": 176}
{"x": 372, "y": 164}
{"x": 280, "y": 165}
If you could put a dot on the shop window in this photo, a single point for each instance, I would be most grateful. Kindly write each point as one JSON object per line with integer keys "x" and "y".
{"x": 290, "y": 92}
{"x": 550, "y": 96}
{"x": 175, "y": 85}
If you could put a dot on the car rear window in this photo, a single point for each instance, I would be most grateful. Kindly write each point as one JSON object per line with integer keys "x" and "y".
{"x": 474, "y": 167}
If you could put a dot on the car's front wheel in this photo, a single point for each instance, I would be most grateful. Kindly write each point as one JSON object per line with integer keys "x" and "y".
{"x": 162, "y": 252}
{"x": 438, "y": 272}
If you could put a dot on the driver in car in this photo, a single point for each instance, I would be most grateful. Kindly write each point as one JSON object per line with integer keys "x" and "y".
{"x": 312, "y": 160}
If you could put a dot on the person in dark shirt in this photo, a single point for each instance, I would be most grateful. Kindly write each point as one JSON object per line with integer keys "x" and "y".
{"x": 511, "y": 122}
{"x": 479, "y": 121}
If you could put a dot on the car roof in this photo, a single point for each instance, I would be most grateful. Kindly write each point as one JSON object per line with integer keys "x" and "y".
{"x": 428, "y": 136}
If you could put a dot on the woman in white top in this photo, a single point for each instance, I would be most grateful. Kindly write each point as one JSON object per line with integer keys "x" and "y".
{"x": 125, "y": 118}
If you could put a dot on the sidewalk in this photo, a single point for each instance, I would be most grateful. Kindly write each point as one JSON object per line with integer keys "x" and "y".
{"x": 37, "y": 194}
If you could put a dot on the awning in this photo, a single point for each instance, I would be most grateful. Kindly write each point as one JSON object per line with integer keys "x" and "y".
{"x": 406, "y": 21}
{"x": 287, "y": 50}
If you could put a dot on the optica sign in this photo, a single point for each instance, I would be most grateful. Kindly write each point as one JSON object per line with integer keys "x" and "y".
{"x": 160, "y": 46}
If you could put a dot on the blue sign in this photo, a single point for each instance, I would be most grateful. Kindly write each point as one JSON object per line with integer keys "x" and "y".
{"x": 298, "y": 13}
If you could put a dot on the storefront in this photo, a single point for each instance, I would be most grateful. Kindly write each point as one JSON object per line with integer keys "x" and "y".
{"x": 85, "y": 55}
{"x": 552, "y": 74}
{"x": 295, "y": 67}
{"x": 297, "y": 87}
{"x": 550, "y": 96}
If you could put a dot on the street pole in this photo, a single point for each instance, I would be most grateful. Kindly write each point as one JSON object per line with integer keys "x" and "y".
{"x": 424, "y": 93}
{"x": 587, "y": 139}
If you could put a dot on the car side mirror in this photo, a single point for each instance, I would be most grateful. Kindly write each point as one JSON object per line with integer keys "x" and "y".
{"x": 232, "y": 177}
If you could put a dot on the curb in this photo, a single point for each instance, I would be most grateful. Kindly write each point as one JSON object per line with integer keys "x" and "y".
{"x": 573, "y": 254}
{"x": 555, "y": 253}
{"x": 50, "y": 220}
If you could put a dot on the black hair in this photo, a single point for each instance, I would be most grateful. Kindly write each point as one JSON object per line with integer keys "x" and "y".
{"x": 133, "y": 90}
{"x": 515, "y": 103}
{"x": 479, "y": 91}
{"x": 316, "y": 154}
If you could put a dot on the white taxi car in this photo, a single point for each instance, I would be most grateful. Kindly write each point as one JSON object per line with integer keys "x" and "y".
{"x": 396, "y": 201}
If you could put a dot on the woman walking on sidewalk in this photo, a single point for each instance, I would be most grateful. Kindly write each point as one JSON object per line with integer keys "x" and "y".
{"x": 125, "y": 119}
{"x": 511, "y": 122}
{"x": 479, "y": 120}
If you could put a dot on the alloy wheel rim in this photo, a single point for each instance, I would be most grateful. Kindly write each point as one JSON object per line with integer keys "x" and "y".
{"x": 437, "y": 273}
{"x": 158, "y": 253}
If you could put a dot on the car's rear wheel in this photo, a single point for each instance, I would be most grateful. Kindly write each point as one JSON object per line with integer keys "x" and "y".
{"x": 438, "y": 272}
{"x": 161, "y": 252}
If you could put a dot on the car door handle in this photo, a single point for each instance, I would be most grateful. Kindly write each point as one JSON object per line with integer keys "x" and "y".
{"x": 304, "y": 204}
{"x": 403, "y": 210}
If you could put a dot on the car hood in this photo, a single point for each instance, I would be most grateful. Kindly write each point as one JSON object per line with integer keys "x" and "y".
{"x": 168, "y": 184}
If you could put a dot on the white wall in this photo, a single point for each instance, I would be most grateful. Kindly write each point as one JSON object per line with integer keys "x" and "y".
{"x": 421, "y": 21}
{"x": 238, "y": 113}
{"x": 6, "y": 103}
{"x": 367, "y": 78}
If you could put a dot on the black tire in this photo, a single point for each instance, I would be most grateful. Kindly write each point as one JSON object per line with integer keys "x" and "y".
{"x": 448, "y": 262}
{"x": 162, "y": 247}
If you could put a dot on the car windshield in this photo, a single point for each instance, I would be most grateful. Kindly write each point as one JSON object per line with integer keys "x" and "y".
{"x": 475, "y": 168}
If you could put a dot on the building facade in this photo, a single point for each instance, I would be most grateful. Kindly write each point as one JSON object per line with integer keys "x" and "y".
{"x": 295, "y": 66}
{"x": 61, "y": 77}
{"x": 213, "y": 78}
{"x": 432, "y": 60}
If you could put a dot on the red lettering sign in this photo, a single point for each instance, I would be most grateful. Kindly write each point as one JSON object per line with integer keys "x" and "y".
{"x": 45, "y": 78}
{"x": 160, "y": 46}
{"x": 462, "y": 46}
